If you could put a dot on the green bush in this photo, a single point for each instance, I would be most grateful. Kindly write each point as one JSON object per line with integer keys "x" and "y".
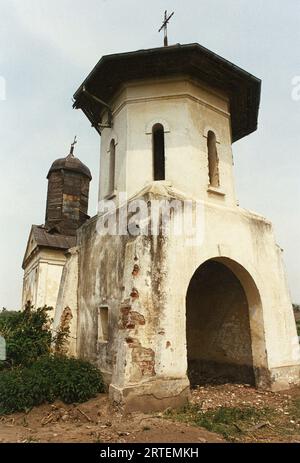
{"x": 27, "y": 335}
{"x": 5, "y": 314}
{"x": 32, "y": 375}
{"x": 47, "y": 379}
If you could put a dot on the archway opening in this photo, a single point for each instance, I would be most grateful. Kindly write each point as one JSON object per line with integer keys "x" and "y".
{"x": 219, "y": 347}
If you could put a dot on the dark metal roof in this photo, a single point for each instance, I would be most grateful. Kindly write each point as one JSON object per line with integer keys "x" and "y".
{"x": 47, "y": 239}
{"x": 52, "y": 240}
{"x": 242, "y": 88}
{"x": 70, "y": 163}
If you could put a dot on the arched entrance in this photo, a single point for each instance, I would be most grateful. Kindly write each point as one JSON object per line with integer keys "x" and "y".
{"x": 220, "y": 297}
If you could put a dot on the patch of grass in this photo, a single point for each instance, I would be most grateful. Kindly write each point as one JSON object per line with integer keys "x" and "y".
{"x": 230, "y": 422}
{"x": 98, "y": 439}
{"x": 295, "y": 410}
{"x": 298, "y": 327}
{"x": 31, "y": 439}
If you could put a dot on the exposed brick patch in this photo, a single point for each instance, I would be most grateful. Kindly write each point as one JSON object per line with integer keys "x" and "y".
{"x": 134, "y": 293}
{"x": 129, "y": 319}
{"x": 135, "y": 270}
{"x": 63, "y": 341}
{"x": 132, "y": 342}
{"x": 125, "y": 310}
{"x": 142, "y": 357}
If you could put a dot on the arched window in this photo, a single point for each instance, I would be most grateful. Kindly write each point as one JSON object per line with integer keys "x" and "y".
{"x": 213, "y": 160}
{"x": 158, "y": 147}
{"x": 112, "y": 166}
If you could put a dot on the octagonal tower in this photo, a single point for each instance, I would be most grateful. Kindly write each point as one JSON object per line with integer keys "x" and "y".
{"x": 158, "y": 312}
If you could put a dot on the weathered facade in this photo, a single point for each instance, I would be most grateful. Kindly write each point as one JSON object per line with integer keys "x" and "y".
{"x": 158, "y": 307}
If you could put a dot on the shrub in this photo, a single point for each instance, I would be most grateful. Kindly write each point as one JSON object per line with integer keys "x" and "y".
{"x": 5, "y": 314}
{"x": 32, "y": 375}
{"x": 27, "y": 335}
{"x": 21, "y": 389}
{"x": 47, "y": 379}
{"x": 73, "y": 380}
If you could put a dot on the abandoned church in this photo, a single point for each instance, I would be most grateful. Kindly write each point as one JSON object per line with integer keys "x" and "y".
{"x": 159, "y": 312}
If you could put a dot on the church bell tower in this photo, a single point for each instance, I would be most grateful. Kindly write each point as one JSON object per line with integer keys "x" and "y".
{"x": 158, "y": 312}
{"x": 68, "y": 194}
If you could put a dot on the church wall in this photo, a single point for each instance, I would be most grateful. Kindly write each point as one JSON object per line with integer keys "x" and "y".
{"x": 30, "y": 281}
{"x": 42, "y": 277}
{"x": 101, "y": 262}
{"x": 247, "y": 239}
{"x": 67, "y": 305}
{"x": 143, "y": 282}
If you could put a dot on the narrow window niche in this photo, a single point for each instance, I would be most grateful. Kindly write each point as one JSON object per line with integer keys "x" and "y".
{"x": 103, "y": 324}
{"x": 213, "y": 160}
{"x": 112, "y": 167}
{"x": 158, "y": 147}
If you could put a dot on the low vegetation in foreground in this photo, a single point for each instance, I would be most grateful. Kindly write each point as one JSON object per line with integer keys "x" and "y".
{"x": 35, "y": 372}
{"x": 227, "y": 421}
{"x": 243, "y": 424}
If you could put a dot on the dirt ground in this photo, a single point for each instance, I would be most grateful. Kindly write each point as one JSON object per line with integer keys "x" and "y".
{"x": 97, "y": 421}
{"x": 282, "y": 419}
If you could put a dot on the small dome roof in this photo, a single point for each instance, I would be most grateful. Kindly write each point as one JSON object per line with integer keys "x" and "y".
{"x": 70, "y": 163}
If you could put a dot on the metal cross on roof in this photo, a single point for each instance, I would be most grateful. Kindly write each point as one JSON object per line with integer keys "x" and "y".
{"x": 165, "y": 27}
{"x": 72, "y": 145}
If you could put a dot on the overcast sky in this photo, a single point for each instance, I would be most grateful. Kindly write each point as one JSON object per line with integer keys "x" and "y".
{"x": 47, "y": 47}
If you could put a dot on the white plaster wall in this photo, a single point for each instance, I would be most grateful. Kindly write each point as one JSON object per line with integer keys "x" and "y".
{"x": 247, "y": 239}
{"x": 30, "y": 282}
{"x": 42, "y": 277}
{"x": 166, "y": 266}
{"x": 188, "y": 110}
